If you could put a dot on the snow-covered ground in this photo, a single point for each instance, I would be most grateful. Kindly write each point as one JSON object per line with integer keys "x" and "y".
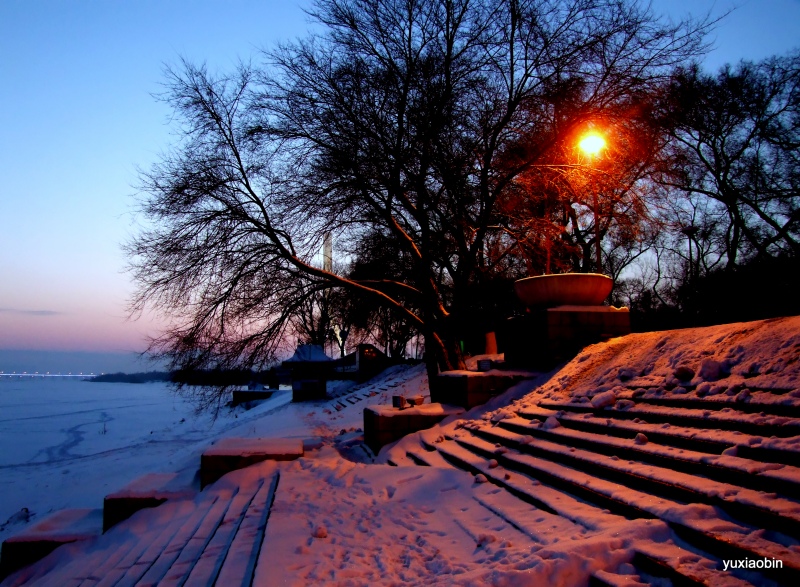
{"x": 340, "y": 523}
{"x": 338, "y": 518}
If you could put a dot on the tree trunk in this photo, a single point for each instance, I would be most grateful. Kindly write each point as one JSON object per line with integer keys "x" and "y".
{"x": 441, "y": 354}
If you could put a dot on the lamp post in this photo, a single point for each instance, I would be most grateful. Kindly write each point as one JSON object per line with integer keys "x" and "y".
{"x": 591, "y": 144}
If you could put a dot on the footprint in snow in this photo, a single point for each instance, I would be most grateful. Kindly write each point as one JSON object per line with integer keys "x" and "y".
{"x": 23, "y": 516}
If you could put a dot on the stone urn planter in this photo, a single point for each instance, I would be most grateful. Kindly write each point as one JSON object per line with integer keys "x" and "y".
{"x": 565, "y": 289}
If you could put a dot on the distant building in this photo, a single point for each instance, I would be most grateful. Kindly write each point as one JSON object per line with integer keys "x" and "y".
{"x": 310, "y": 369}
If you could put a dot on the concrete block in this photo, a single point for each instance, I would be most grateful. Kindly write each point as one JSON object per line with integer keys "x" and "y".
{"x": 468, "y": 389}
{"x": 148, "y": 491}
{"x": 39, "y": 540}
{"x": 542, "y": 338}
{"x": 230, "y": 454}
{"x": 385, "y": 424}
{"x": 241, "y": 396}
{"x": 306, "y": 390}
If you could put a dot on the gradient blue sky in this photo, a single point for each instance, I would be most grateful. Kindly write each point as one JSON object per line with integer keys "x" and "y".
{"x": 77, "y": 117}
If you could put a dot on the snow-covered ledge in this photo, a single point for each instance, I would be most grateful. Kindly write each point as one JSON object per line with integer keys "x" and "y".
{"x": 39, "y": 540}
{"x": 384, "y": 424}
{"x": 230, "y": 454}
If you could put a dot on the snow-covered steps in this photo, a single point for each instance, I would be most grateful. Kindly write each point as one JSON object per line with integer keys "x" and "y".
{"x": 668, "y": 561}
{"x": 725, "y": 418}
{"x": 530, "y": 490}
{"x": 212, "y": 539}
{"x": 754, "y": 507}
{"x": 401, "y": 460}
{"x": 39, "y": 540}
{"x": 699, "y": 439}
{"x": 390, "y": 378}
{"x": 725, "y": 520}
{"x": 148, "y": 491}
{"x": 230, "y": 454}
{"x": 667, "y": 564}
{"x": 640, "y": 447}
{"x": 751, "y": 403}
{"x": 731, "y": 390}
{"x": 697, "y": 523}
{"x": 757, "y": 448}
{"x": 238, "y": 566}
{"x": 427, "y": 458}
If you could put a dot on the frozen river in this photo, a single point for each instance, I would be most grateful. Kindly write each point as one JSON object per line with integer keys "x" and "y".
{"x": 55, "y": 419}
{"x": 65, "y": 442}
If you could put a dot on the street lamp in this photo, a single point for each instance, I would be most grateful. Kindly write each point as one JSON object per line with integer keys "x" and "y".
{"x": 591, "y": 144}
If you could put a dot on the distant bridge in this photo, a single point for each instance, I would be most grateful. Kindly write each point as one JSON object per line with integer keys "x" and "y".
{"x": 47, "y": 374}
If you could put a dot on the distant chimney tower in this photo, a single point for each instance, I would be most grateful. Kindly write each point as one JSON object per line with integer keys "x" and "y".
{"x": 327, "y": 252}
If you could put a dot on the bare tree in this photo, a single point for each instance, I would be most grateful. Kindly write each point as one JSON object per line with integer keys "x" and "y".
{"x": 409, "y": 118}
{"x": 735, "y": 143}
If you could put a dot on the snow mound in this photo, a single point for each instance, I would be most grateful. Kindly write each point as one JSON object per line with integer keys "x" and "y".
{"x": 762, "y": 354}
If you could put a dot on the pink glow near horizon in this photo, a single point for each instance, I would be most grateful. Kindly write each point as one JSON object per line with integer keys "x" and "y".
{"x": 77, "y": 331}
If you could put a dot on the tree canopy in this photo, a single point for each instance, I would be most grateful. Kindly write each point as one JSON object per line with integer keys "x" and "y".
{"x": 439, "y": 129}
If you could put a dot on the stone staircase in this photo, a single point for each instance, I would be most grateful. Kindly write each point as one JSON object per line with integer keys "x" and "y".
{"x": 351, "y": 395}
{"x": 224, "y": 523}
{"x": 213, "y": 538}
{"x": 721, "y": 472}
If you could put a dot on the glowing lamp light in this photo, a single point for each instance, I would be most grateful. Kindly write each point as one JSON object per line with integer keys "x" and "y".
{"x": 592, "y": 144}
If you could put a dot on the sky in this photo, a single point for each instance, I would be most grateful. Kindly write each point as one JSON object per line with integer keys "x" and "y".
{"x": 78, "y": 118}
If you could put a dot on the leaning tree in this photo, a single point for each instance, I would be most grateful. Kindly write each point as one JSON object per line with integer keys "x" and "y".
{"x": 407, "y": 118}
